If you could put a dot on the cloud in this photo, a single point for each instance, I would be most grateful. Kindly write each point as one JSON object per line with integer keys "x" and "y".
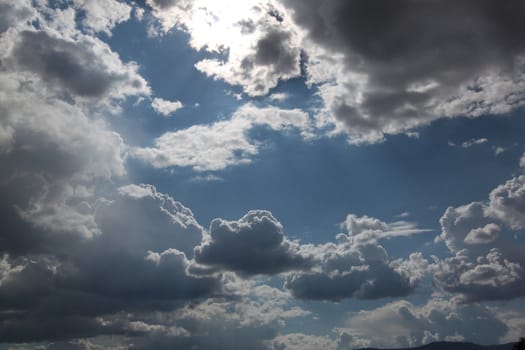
{"x": 487, "y": 262}
{"x": 357, "y": 266}
{"x": 102, "y": 15}
{"x": 300, "y": 341}
{"x": 470, "y": 143}
{"x": 478, "y": 278}
{"x": 378, "y": 73}
{"x": 252, "y": 245}
{"x": 52, "y": 153}
{"x": 165, "y": 107}
{"x": 86, "y": 67}
{"x": 137, "y": 264}
{"x": 223, "y": 143}
{"x": 252, "y": 320}
{"x": 279, "y": 96}
{"x": 366, "y": 228}
{"x": 507, "y": 202}
{"x": 483, "y": 235}
{"x": 12, "y": 13}
{"x": 404, "y": 324}
{"x": 257, "y": 43}
{"x": 349, "y": 275}
{"x": 375, "y": 78}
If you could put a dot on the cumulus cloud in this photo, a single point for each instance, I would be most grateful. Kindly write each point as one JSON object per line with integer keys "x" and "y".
{"x": 52, "y": 153}
{"x": 483, "y": 235}
{"x": 477, "y": 278}
{"x": 55, "y": 149}
{"x": 487, "y": 262}
{"x": 257, "y": 43}
{"x": 375, "y": 77}
{"x": 379, "y": 73}
{"x": 252, "y": 320}
{"x": 357, "y": 266}
{"x": 103, "y": 15}
{"x": 404, "y": 324}
{"x": 86, "y": 67}
{"x": 507, "y": 202}
{"x": 74, "y": 248}
{"x": 223, "y": 143}
{"x": 133, "y": 264}
{"x": 254, "y": 244}
{"x": 12, "y": 13}
{"x": 165, "y": 107}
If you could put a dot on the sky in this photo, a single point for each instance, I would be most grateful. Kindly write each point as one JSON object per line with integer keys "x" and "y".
{"x": 261, "y": 174}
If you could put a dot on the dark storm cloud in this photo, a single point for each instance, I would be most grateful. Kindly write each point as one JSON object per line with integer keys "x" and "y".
{"x": 414, "y": 54}
{"x": 253, "y": 245}
{"x": 75, "y": 66}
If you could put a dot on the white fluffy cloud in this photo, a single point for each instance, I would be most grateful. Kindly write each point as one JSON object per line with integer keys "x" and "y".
{"x": 165, "y": 107}
{"x": 507, "y": 202}
{"x": 223, "y": 143}
{"x": 55, "y": 148}
{"x": 255, "y": 39}
{"x": 103, "y": 15}
{"x": 487, "y": 263}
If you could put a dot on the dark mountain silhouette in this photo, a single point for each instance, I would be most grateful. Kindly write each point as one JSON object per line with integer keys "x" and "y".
{"x": 445, "y": 345}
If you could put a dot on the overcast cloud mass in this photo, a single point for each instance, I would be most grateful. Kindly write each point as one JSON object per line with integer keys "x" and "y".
{"x": 261, "y": 174}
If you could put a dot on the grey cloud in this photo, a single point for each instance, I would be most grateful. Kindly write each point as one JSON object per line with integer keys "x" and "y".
{"x": 267, "y": 48}
{"x": 409, "y": 62}
{"x": 357, "y": 266}
{"x": 255, "y": 244}
{"x": 12, "y": 13}
{"x": 130, "y": 265}
{"x": 350, "y": 272}
{"x": 457, "y": 223}
{"x": 163, "y": 4}
{"x": 374, "y": 282}
{"x": 55, "y": 153}
{"x": 487, "y": 263}
{"x": 483, "y": 235}
{"x": 404, "y": 324}
{"x": 155, "y": 276}
{"x": 274, "y": 49}
{"x": 491, "y": 277}
{"x": 356, "y": 225}
{"x": 507, "y": 202}
{"x": 154, "y": 222}
{"x": 78, "y": 67}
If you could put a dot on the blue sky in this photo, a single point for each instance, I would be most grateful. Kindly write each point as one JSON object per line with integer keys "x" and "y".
{"x": 263, "y": 174}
